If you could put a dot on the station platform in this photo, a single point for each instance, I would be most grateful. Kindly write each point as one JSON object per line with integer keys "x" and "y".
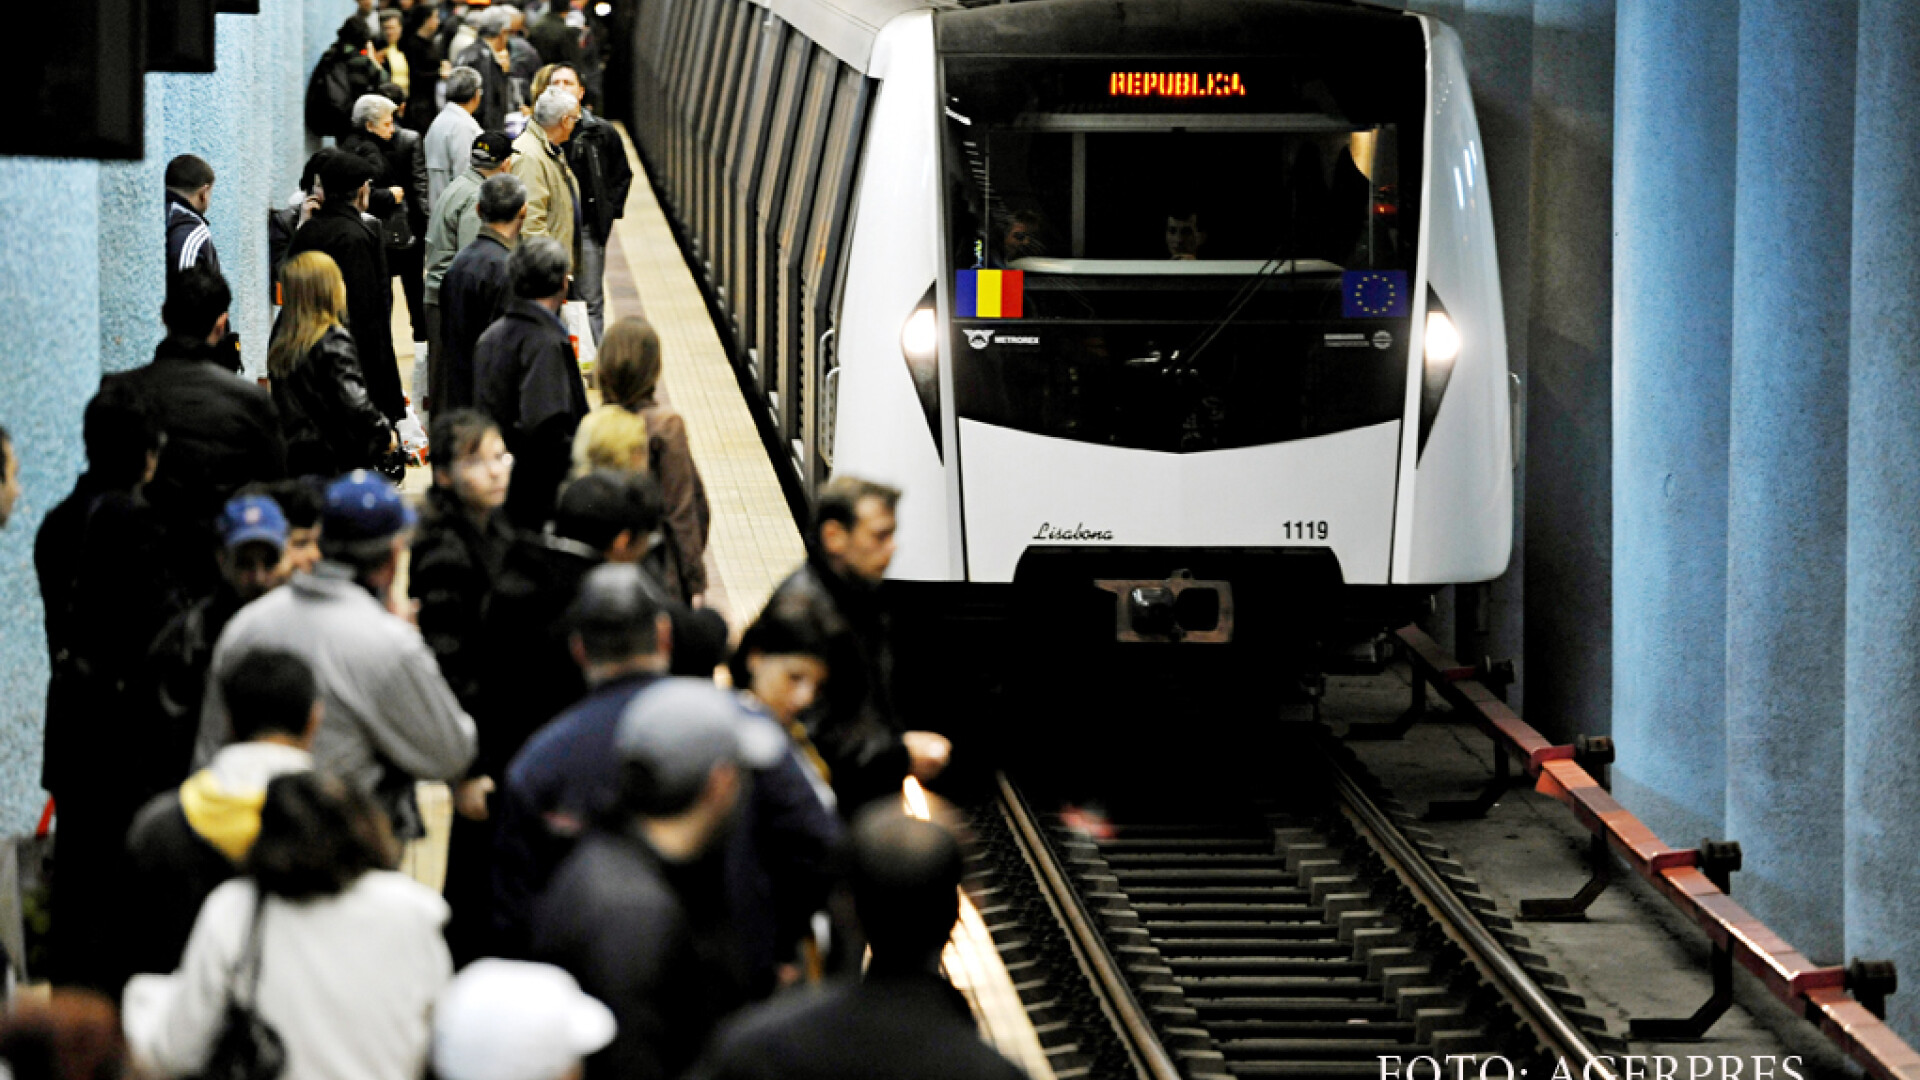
{"x": 753, "y": 544}
{"x": 1634, "y": 955}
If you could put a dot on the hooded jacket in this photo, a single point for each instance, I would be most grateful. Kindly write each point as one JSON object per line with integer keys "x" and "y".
{"x": 390, "y": 718}
{"x": 186, "y": 842}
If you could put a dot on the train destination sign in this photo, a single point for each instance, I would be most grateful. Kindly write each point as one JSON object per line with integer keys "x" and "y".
{"x": 1175, "y": 84}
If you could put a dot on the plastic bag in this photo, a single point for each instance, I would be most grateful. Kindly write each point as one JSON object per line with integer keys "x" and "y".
{"x": 413, "y": 437}
{"x": 580, "y": 330}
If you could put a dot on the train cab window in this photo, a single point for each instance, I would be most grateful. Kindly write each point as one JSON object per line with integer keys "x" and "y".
{"x": 1188, "y": 232}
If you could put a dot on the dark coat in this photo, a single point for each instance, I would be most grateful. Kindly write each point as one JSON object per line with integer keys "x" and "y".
{"x": 423, "y": 104}
{"x": 527, "y": 674}
{"x": 554, "y": 40}
{"x": 599, "y": 162}
{"x": 222, "y": 434}
{"x": 222, "y": 430}
{"x": 568, "y": 775}
{"x": 452, "y": 573}
{"x": 331, "y": 423}
{"x": 101, "y": 560}
{"x": 179, "y": 659}
{"x": 653, "y": 941}
{"x": 527, "y": 379}
{"x": 338, "y": 230}
{"x": 173, "y": 868}
{"x": 474, "y": 293}
{"x": 885, "y": 1027}
{"x": 496, "y": 86}
{"x": 853, "y": 724}
{"x": 398, "y": 162}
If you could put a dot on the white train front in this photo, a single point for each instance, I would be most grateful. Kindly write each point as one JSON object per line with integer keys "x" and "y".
{"x": 1112, "y": 289}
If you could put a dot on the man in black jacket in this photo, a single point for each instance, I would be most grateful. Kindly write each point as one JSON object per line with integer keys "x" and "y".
{"x": 341, "y": 229}
{"x": 855, "y": 725}
{"x": 528, "y": 379}
{"x": 902, "y": 1018}
{"x": 599, "y": 162}
{"x": 527, "y": 673}
{"x": 475, "y": 290}
{"x": 222, "y": 430}
{"x": 550, "y": 35}
{"x": 485, "y": 56}
{"x": 186, "y": 841}
{"x": 638, "y": 912}
{"x": 106, "y": 590}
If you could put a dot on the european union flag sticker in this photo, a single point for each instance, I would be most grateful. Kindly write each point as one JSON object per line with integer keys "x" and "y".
{"x": 1373, "y": 294}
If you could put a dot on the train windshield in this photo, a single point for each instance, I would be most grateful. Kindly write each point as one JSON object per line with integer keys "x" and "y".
{"x": 1180, "y": 230}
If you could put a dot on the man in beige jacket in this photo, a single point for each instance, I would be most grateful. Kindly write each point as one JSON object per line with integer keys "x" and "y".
{"x": 553, "y": 196}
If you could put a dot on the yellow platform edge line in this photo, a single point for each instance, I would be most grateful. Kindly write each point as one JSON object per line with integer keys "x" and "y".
{"x": 754, "y": 543}
{"x": 973, "y": 965}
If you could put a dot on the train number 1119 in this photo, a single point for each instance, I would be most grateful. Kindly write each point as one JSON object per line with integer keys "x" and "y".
{"x": 1306, "y": 530}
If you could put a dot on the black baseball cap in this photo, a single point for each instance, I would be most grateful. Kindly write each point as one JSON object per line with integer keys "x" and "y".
{"x": 491, "y": 149}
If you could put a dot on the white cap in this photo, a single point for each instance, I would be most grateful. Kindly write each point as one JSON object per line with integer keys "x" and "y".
{"x": 509, "y": 1020}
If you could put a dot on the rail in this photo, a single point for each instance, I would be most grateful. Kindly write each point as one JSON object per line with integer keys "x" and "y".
{"x": 1136, "y": 1031}
{"x": 1819, "y": 993}
{"x": 1536, "y": 1006}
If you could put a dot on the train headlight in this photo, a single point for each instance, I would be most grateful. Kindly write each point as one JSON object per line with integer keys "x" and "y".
{"x": 1443, "y": 341}
{"x": 920, "y": 337}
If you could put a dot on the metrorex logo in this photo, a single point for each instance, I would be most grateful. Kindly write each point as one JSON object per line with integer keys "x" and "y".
{"x": 980, "y": 339}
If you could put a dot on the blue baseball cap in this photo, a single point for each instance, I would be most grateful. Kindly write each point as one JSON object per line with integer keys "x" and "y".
{"x": 248, "y": 519}
{"x": 363, "y": 506}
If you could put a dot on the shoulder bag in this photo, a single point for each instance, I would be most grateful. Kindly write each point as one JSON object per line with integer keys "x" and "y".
{"x": 248, "y": 1048}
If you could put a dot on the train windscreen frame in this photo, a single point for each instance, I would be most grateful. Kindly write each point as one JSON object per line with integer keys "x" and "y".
{"x": 1184, "y": 253}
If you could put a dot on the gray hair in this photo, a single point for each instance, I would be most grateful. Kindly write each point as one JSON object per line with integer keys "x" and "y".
{"x": 501, "y": 198}
{"x": 538, "y": 268}
{"x": 492, "y": 22}
{"x": 371, "y": 109}
{"x": 554, "y": 106}
{"x": 463, "y": 85}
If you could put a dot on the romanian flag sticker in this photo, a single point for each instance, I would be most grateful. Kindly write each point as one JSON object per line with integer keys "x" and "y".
{"x": 988, "y": 294}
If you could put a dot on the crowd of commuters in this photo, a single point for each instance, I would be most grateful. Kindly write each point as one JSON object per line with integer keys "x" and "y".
{"x": 260, "y": 647}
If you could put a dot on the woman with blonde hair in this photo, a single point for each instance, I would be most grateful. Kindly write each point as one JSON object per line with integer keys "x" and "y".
{"x": 629, "y": 370}
{"x": 330, "y": 424}
{"x": 610, "y": 438}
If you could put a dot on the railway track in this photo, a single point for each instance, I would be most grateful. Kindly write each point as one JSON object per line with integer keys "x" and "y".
{"x": 1322, "y": 936}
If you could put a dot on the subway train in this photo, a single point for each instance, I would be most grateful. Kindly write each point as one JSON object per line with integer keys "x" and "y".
{"x": 1177, "y": 321}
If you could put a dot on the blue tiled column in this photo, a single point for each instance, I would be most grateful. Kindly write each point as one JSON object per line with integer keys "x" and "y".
{"x": 1673, "y": 340}
{"x": 283, "y": 74}
{"x": 1569, "y": 360}
{"x": 1787, "y": 460}
{"x": 133, "y": 254}
{"x": 1883, "y": 506}
{"x": 49, "y": 286}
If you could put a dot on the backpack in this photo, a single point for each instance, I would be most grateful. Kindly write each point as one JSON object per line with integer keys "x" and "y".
{"x": 343, "y": 74}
